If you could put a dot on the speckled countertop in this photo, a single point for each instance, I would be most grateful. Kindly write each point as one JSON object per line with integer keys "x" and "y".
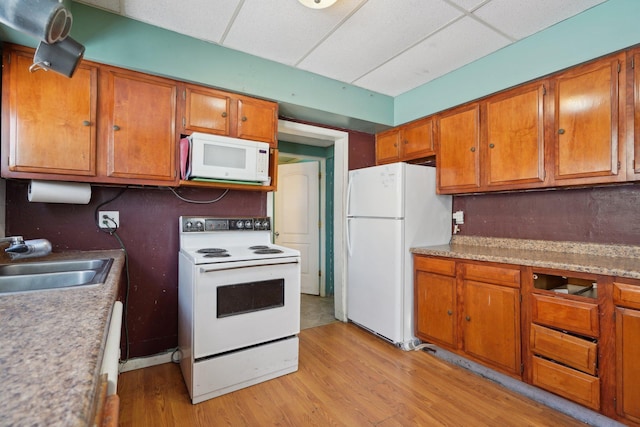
{"x": 51, "y": 347}
{"x": 608, "y": 260}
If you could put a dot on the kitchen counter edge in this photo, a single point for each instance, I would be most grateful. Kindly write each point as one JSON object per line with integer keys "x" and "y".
{"x": 607, "y": 260}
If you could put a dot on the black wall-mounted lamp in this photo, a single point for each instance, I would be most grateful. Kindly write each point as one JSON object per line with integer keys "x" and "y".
{"x": 50, "y": 22}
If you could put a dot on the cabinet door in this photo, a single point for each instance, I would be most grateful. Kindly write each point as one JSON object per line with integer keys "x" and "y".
{"x": 587, "y": 123}
{"x": 514, "y": 147}
{"x": 436, "y": 308}
{"x": 491, "y": 324}
{"x": 388, "y": 146}
{"x": 457, "y": 145}
{"x": 416, "y": 140}
{"x": 257, "y": 120}
{"x": 635, "y": 172}
{"x": 52, "y": 119}
{"x": 206, "y": 110}
{"x": 628, "y": 368}
{"x": 141, "y": 128}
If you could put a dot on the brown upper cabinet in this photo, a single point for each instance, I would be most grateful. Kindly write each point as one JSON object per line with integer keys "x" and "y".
{"x": 408, "y": 142}
{"x": 48, "y": 120}
{"x": 588, "y": 124}
{"x": 115, "y": 126}
{"x": 458, "y": 150}
{"x": 513, "y": 147}
{"x": 223, "y": 113}
{"x": 495, "y": 144}
{"x": 567, "y": 129}
{"x": 103, "y": 125}
{"x": 633, "y": 115}
{"x": 138, "y": 126}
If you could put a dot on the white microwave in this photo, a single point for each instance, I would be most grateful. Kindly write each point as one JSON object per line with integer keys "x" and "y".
{"x": 224, "y": 158}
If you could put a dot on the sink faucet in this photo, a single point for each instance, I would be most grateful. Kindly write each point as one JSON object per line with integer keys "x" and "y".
{"x": 20, "y": 248}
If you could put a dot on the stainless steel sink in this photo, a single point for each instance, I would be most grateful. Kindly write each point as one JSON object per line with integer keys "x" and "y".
{"x": 35, "y": 276}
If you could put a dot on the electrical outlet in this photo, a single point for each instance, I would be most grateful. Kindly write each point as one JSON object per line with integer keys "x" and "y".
{"x": 109, "y": 219}
{"x": 458, "y": 217}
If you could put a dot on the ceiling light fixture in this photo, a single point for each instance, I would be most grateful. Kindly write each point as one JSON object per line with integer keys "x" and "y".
{"x": 317, "y": 4}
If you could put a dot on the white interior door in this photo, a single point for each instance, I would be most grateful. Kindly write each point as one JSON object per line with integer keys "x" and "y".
{"x": 296, "y": 212}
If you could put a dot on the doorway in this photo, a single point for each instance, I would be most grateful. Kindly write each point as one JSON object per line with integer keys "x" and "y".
{"x": 317, "y": 136}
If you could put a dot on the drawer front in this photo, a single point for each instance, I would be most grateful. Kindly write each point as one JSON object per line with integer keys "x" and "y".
{"x": 568, "y": 315}
{"x": 569, "y": 350}
{"x": 626, "y": 295}
{"x": 566, "y": 382}
{"x": 492, "y": 274}
{"x": 443, "y": 266}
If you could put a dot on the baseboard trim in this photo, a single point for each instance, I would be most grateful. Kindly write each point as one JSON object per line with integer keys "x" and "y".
{"x": 146, "y": 362}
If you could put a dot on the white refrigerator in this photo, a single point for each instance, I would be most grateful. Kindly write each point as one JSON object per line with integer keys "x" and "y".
{"x": 391, "y": 208}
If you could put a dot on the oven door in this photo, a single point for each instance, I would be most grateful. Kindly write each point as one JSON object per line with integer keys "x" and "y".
{"x": 237, "y": 307}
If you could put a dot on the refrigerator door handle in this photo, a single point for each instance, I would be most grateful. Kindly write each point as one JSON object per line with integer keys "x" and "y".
{"x": 349, "y": 247}
{"x": 349, "y": 185}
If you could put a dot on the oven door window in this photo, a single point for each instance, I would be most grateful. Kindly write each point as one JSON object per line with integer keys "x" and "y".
{"x": 248, "y": 297}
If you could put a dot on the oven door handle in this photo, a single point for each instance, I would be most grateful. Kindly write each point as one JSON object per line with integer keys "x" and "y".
{"x": 212, "y": 270}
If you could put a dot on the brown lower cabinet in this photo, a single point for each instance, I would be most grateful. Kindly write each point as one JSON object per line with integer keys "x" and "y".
{"x": 573, "y": 334}
{"x": 470, "y": 309}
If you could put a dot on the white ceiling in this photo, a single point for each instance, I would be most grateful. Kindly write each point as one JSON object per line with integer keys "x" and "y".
{"x": 386, "y": 46}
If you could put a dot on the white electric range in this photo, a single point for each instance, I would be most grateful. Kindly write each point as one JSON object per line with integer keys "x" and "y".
{"x": 238, "y": 305}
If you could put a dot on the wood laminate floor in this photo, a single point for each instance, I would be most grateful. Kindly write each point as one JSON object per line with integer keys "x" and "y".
{"x": 346, "y": 377}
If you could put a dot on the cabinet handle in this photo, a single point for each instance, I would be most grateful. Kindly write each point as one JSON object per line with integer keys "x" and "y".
{"x": 561, "y": 131}
{"x": 449, "y": 312}
{"x": 468, "y": 319}
{"x": 395, "y": 144}
{"x": 473, "y": 149}
{"x": 492, "y": 145}
{"x": 86, "y": 123}
{"x": 406, "y": 141}
{"x": 224, "y": 114}
{"x": 244, "y": 118}
{"x": 116, "y": 127}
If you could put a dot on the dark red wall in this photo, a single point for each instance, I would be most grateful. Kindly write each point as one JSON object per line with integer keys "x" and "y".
{"x": 596, "y": 215}
{"x": 149, "y": 231}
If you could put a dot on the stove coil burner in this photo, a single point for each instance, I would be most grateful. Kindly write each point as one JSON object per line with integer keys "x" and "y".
{"x": 267, "y": 251}
{"x": 258, "y": 247}
{"x": 214, "y": 252}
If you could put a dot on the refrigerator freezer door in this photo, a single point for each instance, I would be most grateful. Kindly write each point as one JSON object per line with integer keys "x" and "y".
{"x": 375, "y": 273}
{"x": 377, "y": 192}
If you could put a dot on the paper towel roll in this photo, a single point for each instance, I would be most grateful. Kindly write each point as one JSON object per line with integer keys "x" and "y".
{"x": 59, "y": 192}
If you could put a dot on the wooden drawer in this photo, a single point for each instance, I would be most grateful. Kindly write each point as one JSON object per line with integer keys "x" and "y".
{"x": 626, "y": 295}
{"x": 492, "y": 274}
{"x": 568, "y": 315}
{"x": 443, "y": 266}
{"x": 567, "y": 382}
{"x": 566, "y": 349}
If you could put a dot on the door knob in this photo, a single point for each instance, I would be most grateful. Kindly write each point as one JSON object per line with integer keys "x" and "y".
{"x": 275, "y": 233}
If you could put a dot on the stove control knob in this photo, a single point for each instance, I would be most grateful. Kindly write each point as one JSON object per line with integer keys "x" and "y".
{"x": 247, "y": 224}
{"x": 240, "y": 225}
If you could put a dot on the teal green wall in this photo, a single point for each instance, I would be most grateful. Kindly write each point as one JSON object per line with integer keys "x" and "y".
{"x": 326, "y": 153}
{"x": 608, "y": 27}
{"x": 115, "y": 40}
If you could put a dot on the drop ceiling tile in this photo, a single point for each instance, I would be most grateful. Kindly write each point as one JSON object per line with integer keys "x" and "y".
{"x": 459, "y": 44}
{"x": 375, "y": 34}
{"x": 521, "y": 18}
{"x": 202, "y": 19}
{"x": 469, "y": 5}
{"x": 283, "y": 34}
{"x": 111, "y": 5}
